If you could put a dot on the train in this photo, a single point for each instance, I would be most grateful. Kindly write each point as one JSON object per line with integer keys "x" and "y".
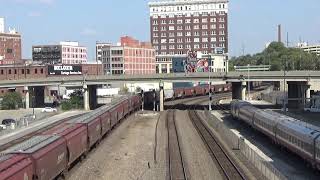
{"x": 50, "y": 154}
{"x": 201, "y": 90}
{"x": 298, "y": 137}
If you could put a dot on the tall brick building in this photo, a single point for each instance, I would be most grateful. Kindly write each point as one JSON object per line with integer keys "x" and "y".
{"x": 178, "y": 26}
{"x": 10, "y": 45}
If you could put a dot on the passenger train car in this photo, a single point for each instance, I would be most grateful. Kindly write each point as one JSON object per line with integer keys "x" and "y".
{"x": 300, "y": 138}
{"x": 50, "y": 154}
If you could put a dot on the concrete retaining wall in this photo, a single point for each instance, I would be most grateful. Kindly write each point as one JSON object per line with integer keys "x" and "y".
{"x": 236, "y": 141}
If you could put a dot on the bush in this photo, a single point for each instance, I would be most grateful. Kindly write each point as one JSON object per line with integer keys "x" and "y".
{"x": 11, "y": 100}
{"x": 75, "y": 101}
{"x": 66, "y": 106}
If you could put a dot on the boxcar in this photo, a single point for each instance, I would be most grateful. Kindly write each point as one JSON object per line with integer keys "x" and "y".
{"x": 178, "y": 93}
{"x": 16, "y": 167}
{"x": 48, "y": 154}
{"x": 125, "y": 105}
{"x": 76, "y": 138}
{"x": 93, "y": 126}
{"x": 105, "y": 122}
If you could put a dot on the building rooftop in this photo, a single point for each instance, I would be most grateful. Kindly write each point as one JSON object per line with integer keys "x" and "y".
{"x": 183, "y": 2}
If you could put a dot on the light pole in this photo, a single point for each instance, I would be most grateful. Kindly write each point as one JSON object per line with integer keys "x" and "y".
{"x": 248, "y": 82}
{"x": 284, "y": 85}
{"x": 210, "y": 97}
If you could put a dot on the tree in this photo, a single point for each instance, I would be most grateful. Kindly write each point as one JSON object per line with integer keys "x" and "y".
{"x": 75, "y": 101}
{"x": 11, "y": 100}
{"x": 279, "y": 57}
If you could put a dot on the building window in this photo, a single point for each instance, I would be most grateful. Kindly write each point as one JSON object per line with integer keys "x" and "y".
{"x": 179, "y": 21}
{"x": 196, "y": 40}
{"x": 204, "y": 26}
{"x": 41, "y": 71}
{"x": 204, "y": 20}
{"x": 196, "y": 27}
{"x": 171, "y": 34}
{"x": 9, "y": 71}
{"x": 187, "y": 21}
{"x": 28, "y": 71}
{"x": 213, "y": 26}
{"x": 196, "y": 33}
{"x": 36, "y": 71}
{"x": 1, "y": 71}
{"x": 15, "y": 71}
{"x": 171, "y": 28}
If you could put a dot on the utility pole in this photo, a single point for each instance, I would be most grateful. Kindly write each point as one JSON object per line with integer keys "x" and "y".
{"x": 249, "y": 82}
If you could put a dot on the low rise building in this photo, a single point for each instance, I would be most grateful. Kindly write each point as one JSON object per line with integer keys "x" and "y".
{"x": 128, "y": 57}
{"x": 10, "y": 45}
{"x": 310, "y": 48}
{"x": 64, "y": 53}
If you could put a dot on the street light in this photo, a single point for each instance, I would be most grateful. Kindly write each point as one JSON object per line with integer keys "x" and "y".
{"x": 248, "y": 82}
{"x": 209, "y": 75}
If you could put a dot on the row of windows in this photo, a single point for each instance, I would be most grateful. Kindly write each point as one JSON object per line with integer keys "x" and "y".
{"x": 76, "y": 50}
{"x": 189, "y": 7}
{"x": 23, "y": 71}
{"x": 189, "y": 33}
{"x": 188, "y": 27}
{"x": 187, "y": 14}
{"x": 189, "y": 46}
{"x": 189, "y": 40}
{"x": 295, "y": 141}
{"x": 74, "y": 56}
{"x": 187, "y": 21}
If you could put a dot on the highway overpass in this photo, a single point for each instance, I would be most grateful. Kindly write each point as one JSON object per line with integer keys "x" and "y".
{"x": 302, "y": 76}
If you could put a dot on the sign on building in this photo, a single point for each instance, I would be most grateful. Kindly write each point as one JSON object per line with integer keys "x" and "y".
{"x": 64, "y": 70}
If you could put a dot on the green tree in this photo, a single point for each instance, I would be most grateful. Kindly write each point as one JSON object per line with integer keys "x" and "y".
{"x": 11, "y": 100}
{"x": 75, "y": 101}
{"x": 279, "y": 57}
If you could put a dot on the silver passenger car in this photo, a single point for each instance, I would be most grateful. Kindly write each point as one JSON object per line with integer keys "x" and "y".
{"x": 297, "y": 138}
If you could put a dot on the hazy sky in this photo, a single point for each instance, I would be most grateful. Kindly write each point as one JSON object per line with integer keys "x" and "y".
{"x": 252, "y": 23}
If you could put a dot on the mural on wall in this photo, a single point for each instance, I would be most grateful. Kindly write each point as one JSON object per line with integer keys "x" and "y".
{"x": 193, "y": 64}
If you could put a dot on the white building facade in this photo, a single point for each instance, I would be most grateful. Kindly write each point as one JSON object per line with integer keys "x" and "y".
{"x": 72, "y": 53}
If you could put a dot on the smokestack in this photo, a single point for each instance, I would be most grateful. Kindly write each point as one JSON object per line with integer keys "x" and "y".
{"x": 279, "y": 33}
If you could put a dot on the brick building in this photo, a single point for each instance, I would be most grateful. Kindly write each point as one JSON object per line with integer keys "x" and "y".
{"x": 129, "y": 57}
{"x": 10, "y": 45}
{"x": 15, "y": 72}
{"x": 64, "y": 53}
{"x": 179, "y": 26}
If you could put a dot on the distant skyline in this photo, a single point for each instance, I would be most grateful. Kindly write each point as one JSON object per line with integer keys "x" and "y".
{"x": 252, "y": 23}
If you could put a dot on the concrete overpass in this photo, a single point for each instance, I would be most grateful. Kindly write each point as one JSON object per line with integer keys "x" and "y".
{"x": 298, "y": 82}
{"x": 291, "y": 76}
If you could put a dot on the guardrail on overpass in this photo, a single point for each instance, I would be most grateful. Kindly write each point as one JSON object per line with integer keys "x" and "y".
{"x": 177, "y": 77}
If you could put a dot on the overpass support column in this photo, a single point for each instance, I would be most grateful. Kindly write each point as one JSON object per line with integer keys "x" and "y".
{"x": 308, "y": 94}
{"x": 298, "y": 94}
{"x": 86, "y": 102}
{"x": 27, "y": 97}
{"x": 161, "y": 97}
{"x": 243, "y": 90}
{"x": 93, "y": 96}
{"x": 239, "y": 90}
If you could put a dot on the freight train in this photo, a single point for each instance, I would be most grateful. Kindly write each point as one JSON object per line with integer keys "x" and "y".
{"x": 299, "y": 137}
{"x": 196, "y": 91}
{"x": 50, "y": 154}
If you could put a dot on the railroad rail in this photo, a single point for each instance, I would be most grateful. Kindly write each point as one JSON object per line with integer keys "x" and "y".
{"x": 36, "y": 132}
{"x": 176, "y": 164}
{"x": 217, "y": 152}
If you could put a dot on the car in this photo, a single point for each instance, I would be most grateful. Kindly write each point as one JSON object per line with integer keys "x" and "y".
{"x": 49, "y": 109}
{"x": 8, "y": 122}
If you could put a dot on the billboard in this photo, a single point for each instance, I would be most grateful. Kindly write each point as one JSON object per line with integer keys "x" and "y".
{"x": 64, "y": 70}
{"x": 194, "y": 64}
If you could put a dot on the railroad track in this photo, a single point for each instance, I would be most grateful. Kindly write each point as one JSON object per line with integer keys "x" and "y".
{"x": 217, "y": 152}
{"x": 176, "y": 164}
{"x": 34, "y": 133}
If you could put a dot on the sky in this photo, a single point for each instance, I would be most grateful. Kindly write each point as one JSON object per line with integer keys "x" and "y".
{"x": 252, "y": 23}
